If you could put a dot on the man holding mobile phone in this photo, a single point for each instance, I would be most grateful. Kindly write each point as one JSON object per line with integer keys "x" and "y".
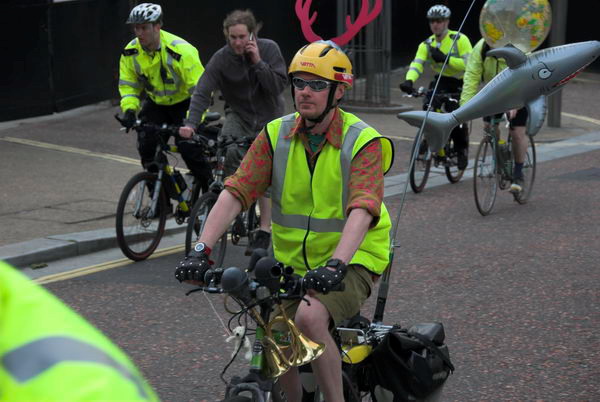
{"x": 251, "y": 74}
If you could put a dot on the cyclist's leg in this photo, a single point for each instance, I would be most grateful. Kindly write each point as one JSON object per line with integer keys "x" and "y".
{"x": 146, "y": 144}
{"x": 518, "y": 133}
{"x": 190, "y": 152}
{"x": 325, "y": 312}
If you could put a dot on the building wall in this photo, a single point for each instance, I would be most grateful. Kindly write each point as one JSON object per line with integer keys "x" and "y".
{"x": 62, "y": 55}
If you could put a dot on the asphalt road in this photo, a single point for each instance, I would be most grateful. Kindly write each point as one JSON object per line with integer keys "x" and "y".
{"x": 517, "y": 292}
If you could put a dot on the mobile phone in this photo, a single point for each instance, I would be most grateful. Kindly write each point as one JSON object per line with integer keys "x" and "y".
{"x": 251, "y": 35}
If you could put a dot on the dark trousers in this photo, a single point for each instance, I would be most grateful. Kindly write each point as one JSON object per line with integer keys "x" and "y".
{"x": 190, "y": 151}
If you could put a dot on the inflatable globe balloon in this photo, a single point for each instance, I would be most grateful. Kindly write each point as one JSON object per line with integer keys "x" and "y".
{"x": 523, "y": 23}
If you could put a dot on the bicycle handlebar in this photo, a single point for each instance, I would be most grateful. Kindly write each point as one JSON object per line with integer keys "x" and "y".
{"x": 271, "y": 280}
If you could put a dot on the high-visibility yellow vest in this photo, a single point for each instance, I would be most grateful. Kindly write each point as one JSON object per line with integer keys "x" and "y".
{"x": 459, "y": 55}
{"x": 168, "y": 76}
{"x": 50, "y": 353}
{"x": 480, "y": 69}
{"x": 308, "y": 212}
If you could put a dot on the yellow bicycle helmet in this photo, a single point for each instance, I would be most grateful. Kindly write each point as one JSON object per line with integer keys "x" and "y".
{"x": 325, "y": 59}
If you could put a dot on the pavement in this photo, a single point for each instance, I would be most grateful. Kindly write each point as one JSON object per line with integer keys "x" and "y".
{"x": 62, "y": 174}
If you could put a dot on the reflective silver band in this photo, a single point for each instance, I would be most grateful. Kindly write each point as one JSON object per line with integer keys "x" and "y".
{"x": 34, "y": 358}
{"x": 129, "y": 83}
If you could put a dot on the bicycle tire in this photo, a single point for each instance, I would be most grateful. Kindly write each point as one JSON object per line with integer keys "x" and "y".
{"x": 196, "y": 224}
{"x": 485, "y": 181}
{"x": 419, "y": 169}
{"x": 528, "y": 173}
{"x": 139, "y": 237}
{"x": 453, "y": 173}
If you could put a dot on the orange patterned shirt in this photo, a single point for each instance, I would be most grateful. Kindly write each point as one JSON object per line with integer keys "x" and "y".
{"x": 253, "y": 177}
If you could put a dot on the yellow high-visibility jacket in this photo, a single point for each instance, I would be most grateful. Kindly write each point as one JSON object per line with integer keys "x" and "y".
{"x": 480, "y": 69}
{"x": 50, "y": 353}
{"x": 459, "y": 55}
{"x": 168, "y": 75}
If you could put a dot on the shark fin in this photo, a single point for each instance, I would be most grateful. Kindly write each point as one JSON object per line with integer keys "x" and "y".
{"x": 537, "y": 114}
{"x": 437, "y": 128}
{"x": 513, "y": 56}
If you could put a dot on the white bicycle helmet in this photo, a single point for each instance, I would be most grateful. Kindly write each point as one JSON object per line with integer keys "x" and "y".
{"x": 438, "y": 11}
{"x": 145, "y": 13}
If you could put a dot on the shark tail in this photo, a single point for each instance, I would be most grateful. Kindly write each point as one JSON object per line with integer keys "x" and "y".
{"x": 437, "y": 127}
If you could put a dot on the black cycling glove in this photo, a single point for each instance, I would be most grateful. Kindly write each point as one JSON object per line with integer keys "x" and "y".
{"x": 437, "y": 55}
{"x": 407, "y": 86}
{"x": 128, "y": 119}
{"x": 193, "y": 267}
{"x": 323, "y": 279}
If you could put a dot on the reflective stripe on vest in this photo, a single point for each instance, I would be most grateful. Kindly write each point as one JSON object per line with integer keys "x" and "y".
{"x": 34, "y": 358}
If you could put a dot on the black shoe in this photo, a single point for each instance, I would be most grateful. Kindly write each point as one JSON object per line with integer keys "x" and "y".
{"x": 258, "y": 239}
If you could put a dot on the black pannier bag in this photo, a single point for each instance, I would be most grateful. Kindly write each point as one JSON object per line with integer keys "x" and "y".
{"x": 409, "y": 364}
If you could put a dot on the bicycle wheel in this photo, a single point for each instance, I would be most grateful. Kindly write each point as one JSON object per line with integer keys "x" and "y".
{"x": 196, "y": 225}
{"x": 453, "y": 173}
{"x": 528, "y": 173}
{"x": 419, "y": 170}
{"x": 485, "y": 182}
{"x": 138, "y": 229}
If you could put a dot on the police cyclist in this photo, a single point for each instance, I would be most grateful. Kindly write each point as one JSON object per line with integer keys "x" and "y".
{"x": 164, "y": 68}
{"x": 329, "y": 221}
{"x": 434, "y": 50}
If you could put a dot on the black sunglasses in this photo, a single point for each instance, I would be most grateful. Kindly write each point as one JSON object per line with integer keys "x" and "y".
{"x": 315, "y": 85}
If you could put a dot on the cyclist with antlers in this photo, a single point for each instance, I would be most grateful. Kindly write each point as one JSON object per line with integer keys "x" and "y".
{"x": 329, "y": 220}
{"x": 443, "y": 43}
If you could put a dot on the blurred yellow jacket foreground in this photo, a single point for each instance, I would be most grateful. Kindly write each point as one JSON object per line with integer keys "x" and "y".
{"x": 48, "y": 352}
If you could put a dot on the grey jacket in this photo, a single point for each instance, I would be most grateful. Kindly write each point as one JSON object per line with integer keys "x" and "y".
{"x": 254, "y": 92}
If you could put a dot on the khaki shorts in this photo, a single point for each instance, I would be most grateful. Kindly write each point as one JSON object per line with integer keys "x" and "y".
{"x": 341, "y": 305}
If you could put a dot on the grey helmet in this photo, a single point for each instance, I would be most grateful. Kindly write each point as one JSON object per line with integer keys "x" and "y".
{"x": 438, "y": 11}
{"x": 145, "y": 13}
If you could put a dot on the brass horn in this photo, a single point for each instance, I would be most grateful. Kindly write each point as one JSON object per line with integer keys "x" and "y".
{"x": 297, "y": 351}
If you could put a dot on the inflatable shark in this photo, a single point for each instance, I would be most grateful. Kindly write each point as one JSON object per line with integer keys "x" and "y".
{"x": 527, "y": 80}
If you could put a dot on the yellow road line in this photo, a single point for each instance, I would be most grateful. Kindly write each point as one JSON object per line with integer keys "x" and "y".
{"x": 584, "y": 118}
{"x": 117, "y": 158}
{"x": 103, "y": 266}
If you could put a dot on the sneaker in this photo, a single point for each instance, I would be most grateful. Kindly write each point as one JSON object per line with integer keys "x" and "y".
{"x": 517, "y": 186}
{"x": 258, "y": 239}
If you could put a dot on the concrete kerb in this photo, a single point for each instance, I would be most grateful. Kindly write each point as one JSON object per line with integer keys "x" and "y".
{"x": 51, "y": 248}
